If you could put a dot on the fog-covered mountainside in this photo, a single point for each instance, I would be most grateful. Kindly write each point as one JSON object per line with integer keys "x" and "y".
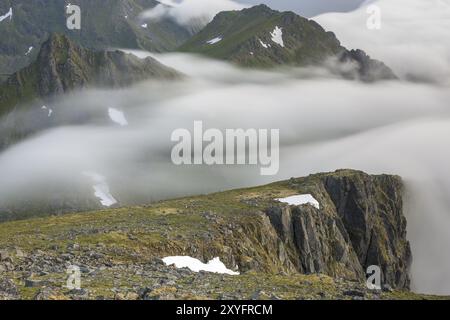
{"x": 104, "y": 24}
{"x": 272, "y": 250}
{"x": 63, "y": 66}
{"x": 262, "y": 37}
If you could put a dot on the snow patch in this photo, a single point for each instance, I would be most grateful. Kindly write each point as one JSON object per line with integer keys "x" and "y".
{"x": 195, "y": 265}
{"x": 117, "y": 116}
{"x": 9, "y": 15}
{"x": 215, "y": 40}
{"x": 101, "y": 189}
{"x": 300, "y": 200}
{"x": 144, "y": 25}
{"x": 29, "y": 50}
{"x": 265, "y": 45}
{"x": 277, "y": 36}
{"x": 50, "y": 111}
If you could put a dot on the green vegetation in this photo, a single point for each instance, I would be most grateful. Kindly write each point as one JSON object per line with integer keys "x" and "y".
{"x": 115, "y": 25}
{"x": 246, "y": 40}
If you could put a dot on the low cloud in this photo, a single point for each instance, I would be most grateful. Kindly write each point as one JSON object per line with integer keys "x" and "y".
{"x": 413, "y": 39}
{"x": 326, "y": 123}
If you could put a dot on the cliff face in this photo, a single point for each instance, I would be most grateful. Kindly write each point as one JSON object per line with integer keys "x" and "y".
{"x": 294, "y": 252}
{"x": 360, "y": 224}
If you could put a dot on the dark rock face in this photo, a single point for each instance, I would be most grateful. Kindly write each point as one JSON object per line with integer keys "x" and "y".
{"x": 360, "y": 224}
{"x": 369, "y": 70}
{"x": 371, "y": 209}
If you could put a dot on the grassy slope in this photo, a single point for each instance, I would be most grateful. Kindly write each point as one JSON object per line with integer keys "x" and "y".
{"x": 128, "y": 236}
{"x": 305, "y": 41}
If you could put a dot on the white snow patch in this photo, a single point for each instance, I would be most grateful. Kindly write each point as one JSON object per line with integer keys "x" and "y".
{"x": 9, "y": 15}
{"x": 265, "y": 45}
{"x": 118, "y": 117}
{"x": 215, "y": 265}
{"x": 300, "y": 200}
{"x": 215, "y": 40}
{"x": 144, "y": 25}
{"x": 29, "y": 50}
{"x": 101, "y": 189}
{"x": 277, "y": 36}
{"x": 50, "y": 111}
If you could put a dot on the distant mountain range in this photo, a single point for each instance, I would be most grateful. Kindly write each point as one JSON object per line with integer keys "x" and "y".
{"x": 257, "y": 37}
{"x": 262, "y": 37}
{"x": 114, "y": 25}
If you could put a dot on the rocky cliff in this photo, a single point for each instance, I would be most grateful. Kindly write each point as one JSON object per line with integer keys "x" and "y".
{"x": 281, "y": 251}
{"x": 360, "y": 224}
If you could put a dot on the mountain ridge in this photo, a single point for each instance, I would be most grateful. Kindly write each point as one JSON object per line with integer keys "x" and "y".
{"x": 265, "y": 38}
{"x": 63, "y": 66}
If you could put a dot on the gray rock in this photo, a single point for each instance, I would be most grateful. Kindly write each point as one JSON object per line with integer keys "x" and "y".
{"x": 4, "y": 254}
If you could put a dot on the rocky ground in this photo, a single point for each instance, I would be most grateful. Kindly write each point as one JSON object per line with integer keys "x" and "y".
{"x": 281, "y": 252}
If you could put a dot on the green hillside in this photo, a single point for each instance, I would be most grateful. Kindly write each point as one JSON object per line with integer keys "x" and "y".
{"x": 262, "y": 37}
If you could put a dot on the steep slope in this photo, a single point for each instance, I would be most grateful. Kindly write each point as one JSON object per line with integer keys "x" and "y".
{"x": 262, "y": 37}
{"x": 112, "y": 25}
{"x": 358, "y": 222}
{"x": 62, "y": 66}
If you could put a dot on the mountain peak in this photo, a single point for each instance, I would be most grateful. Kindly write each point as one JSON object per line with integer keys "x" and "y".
{"x": 264, "y": 38}
{"x": 62, "y": 66}
{"x": 260, "y": 8}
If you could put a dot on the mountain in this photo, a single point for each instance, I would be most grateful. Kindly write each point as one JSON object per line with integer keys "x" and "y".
{"x": 115, "y": 25}
{"x": 301, "y": 251}
{"x": 62, "y": 66}
{"x": 262, "y": 37}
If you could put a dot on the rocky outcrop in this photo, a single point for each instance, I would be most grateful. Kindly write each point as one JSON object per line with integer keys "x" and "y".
{"x": 360, "y": 223}
{"x": 368, "y": 69}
